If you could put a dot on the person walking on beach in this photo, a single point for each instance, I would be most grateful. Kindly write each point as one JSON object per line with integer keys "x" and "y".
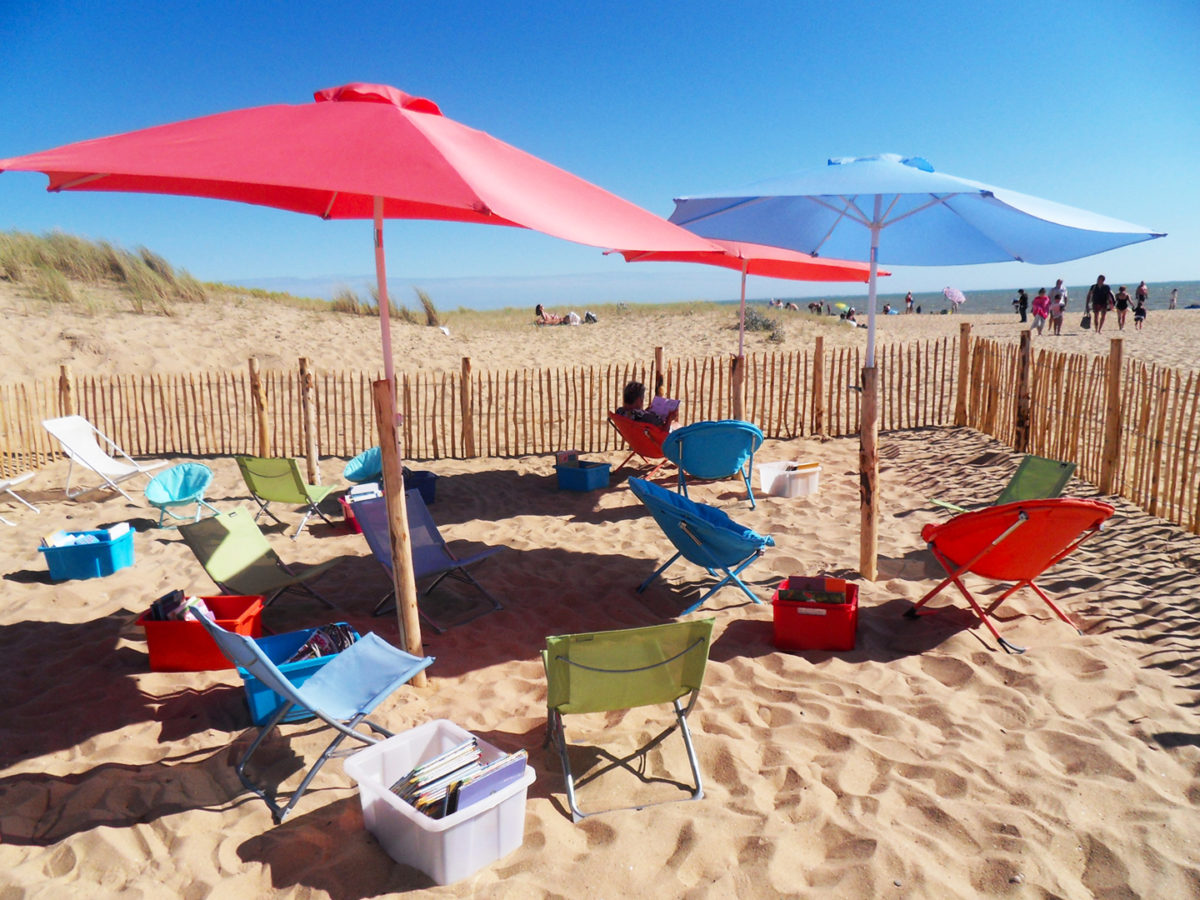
{"x": 1142, "y": 294}
{"x": 908, "y": 302}
{"x": 1022, "y": 303}
{"x": 1123, "y": 302}
{"x": 1099, "y": 301}
{"x": 1041, "y": 309}
{"x": 1174, "y": 298}
{"x": 1139, "y": 313}
{"x": 1057, "y": 308}
{"x": 1061, "y": 290}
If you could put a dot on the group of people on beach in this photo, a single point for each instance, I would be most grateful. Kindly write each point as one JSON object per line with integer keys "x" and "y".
{"x": 1050, "y": 307}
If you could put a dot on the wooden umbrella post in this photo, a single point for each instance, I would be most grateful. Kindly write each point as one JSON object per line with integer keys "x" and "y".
{"x": 403, "y": 580}
{"x": 868, "y": 466}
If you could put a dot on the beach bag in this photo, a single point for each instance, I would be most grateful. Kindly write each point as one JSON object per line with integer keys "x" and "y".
{"x": 1086, "y": 322}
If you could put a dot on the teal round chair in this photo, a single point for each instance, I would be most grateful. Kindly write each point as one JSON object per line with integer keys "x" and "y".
{"x": 714, "y": 450}
{"x": 367, "y": 466}
{"x": 180, "y": 485}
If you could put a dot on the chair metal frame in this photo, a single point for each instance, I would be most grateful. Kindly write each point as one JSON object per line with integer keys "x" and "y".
{"x": 6, "y": 487}
{"x": 995, "y": 526}
{"x": 283, "y": 472}
{"x": 699, "y": 634}
{"x": 363, "y": 676}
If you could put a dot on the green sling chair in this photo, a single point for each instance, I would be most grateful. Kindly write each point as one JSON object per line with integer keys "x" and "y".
{"x": 615, "y": 670}
{"x": 279, "y": 479}
{"x": 236, "y": 555}
{"x": 1036, "y": 478}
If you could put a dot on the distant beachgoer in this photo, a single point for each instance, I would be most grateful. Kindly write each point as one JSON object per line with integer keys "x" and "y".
{"x": 1057, "y": 308}
{"x": 1060, "y": 289}
{"x": 1099, "y": 300}
{"x": 908, "y": 302}
{"x": 1142, "y": 293}
{"x": 1122, "y": 302}
{"x": 1022, "y": 303}
{"x": 1041, "y": 309}
{"x": 541, "y": 317}
{"x": 887, "y": 308}
{"x": 1174, "y": 298}
{"x": 918, "y": 310}
{"x": 1139, "y": 314}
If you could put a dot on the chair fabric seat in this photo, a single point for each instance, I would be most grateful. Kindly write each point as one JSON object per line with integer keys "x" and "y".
{"x": 713, "y": 450}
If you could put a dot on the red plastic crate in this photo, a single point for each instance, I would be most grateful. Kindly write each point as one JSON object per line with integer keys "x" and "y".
{"x": 808, "y": 625}
{"x": 182, "y": 646}
{"x": 348, "y": 517}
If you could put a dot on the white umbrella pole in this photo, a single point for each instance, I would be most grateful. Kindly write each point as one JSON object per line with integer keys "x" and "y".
{"x": 387, "y": 421}
{"x": 875, "y": 227}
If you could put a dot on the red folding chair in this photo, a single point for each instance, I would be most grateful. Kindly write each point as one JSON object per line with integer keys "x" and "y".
{"x": 644, "y": 439}
{"x": 1015, "y": 542}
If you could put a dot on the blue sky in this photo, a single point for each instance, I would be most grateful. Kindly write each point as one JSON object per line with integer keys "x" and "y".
{"x": 1089, "y": 103}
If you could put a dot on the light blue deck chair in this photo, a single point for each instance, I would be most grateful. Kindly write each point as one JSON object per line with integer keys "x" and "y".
{"x": 180, "y": 485}
{"x": 712, "y": 450}
{"x": 431, "y": 557}
{"x": 616, "y": 670}
{"x": 342, "y": 694}
{"x": 367, "y": 466}
{"x": 703, "y": 535}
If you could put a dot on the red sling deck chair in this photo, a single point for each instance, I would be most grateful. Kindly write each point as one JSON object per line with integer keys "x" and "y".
{"x": 644, "y": 439}
{"x": 1014, "y": 542}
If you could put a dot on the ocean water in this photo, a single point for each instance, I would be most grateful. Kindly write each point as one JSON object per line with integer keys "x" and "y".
{"x": 1000, "y": 301}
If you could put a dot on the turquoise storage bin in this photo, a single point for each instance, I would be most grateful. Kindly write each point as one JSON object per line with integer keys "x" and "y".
{"x": 586, "y": 476}
{"x": 78, "y": 561}
{"x": 261, "y": 700}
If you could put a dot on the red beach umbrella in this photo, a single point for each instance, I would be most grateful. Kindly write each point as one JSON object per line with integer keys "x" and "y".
{"x": 759, "y": 259}
{"x": 361, "y": 151}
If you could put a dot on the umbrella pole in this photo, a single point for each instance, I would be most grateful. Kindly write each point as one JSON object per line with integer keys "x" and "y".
{"x": 737, "y": 381}
{"x": 868, "y": 452}
{"x": 383, "y": 393}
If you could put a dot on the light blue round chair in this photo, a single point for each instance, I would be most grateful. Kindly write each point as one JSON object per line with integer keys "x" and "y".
{"x": 180, "y": 485}
{"x": 367, "y": 466}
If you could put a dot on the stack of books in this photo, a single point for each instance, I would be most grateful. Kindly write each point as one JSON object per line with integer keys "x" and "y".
{"x": 457, "y": 778}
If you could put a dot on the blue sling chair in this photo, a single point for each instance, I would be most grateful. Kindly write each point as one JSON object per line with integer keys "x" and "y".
{"x": 341, "y": 694}
{"x": 703, "y": 535}
{"x": 712, "y": 450}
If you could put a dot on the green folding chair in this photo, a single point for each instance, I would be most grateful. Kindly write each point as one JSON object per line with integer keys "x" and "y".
{"x": 1036, "y": 478}
{"x": 236, "y": 555}
{"x": 615, "y": 670}
{"x": 273, "y": 480}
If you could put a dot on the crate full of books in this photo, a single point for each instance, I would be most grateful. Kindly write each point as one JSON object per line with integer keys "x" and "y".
{"x": 815, "y": 614}
{"x": 442, "y": 800}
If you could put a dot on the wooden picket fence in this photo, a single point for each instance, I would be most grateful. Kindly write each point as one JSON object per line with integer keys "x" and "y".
{"x": 1139, "y": 440}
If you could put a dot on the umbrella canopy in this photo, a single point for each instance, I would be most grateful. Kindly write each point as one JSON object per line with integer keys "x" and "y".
{"x": 361, "y": 151}
{"x": 758, "y": 259}
{"x": 955, "y": 296}
{"x": 930, "y": 218}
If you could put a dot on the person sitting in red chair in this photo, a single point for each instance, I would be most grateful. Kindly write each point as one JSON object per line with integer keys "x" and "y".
{"x": 663, "y": 412}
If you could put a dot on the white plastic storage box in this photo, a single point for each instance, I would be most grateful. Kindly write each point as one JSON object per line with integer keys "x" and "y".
{"x": 446, "y": 849}
{"x": 788, "y": 479}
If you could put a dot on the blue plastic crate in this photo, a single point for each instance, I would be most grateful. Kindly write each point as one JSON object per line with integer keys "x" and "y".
{"x": 262, "y": 701}
{"x": 423, "y": 482}
{"x": 78, "y": 561}
{"x": 585, "y": 476}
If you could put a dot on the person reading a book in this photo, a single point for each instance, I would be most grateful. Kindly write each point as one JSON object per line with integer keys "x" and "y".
{"x": 663, "y": 412}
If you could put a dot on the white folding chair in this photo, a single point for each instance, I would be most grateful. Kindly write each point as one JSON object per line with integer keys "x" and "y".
{"x": 78, "y": 438}
{"x": 6, "y": 486}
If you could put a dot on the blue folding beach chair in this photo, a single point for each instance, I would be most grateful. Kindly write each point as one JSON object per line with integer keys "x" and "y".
{"x": 711, "y": 450}
{"x": 703, "y": 535}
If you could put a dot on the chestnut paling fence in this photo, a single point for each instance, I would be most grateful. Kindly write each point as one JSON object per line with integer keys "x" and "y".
{"x": 1131, "y": 428}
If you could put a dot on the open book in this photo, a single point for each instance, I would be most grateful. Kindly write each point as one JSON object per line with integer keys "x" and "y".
{"x": 663, "y": 406}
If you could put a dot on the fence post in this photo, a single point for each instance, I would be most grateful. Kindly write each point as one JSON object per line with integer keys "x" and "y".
{"x": 964, "y": 372}
{"x": 737, "y": 387}
{"x": 66, "y": 392}
{"x": 258, "y": 394}
{"x": 308, "y": 404}
{"x": 468, "y": 410}
{"x": 1112, "y": 418}
{"x": 818, "y": 406}
{"x": 1024, "y": 404}
{"x": 404, "y": 582}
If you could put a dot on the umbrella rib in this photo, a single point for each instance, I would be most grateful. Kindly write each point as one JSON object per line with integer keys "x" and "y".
{"x": 78, "y": 181}
{"x": 936, "y": 199}
{"x": 740, "y": 201}
{"x": 329, "y": 209}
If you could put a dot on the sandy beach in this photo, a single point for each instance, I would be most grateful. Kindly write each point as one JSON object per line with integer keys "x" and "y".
{"x": 927, "y": 762}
